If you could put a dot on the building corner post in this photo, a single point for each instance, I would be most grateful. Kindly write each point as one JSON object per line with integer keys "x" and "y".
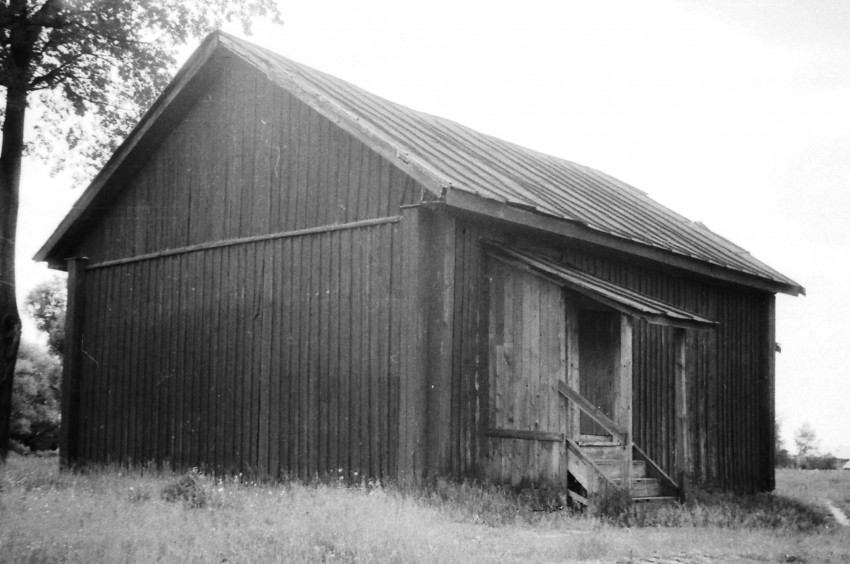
{"x": 770, "y": 400}
{"x": 413, "y": 379}
{"x": 72, "y": 362}
{"x": 439, "y": 279}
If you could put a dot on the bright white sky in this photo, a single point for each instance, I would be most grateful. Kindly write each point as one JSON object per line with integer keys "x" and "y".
{"x": 733, "y": 113}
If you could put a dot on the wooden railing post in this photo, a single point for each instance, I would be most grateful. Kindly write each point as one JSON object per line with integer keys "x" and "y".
{"x": 623, "y": 397}
{"x": 573, "y": 416}
{"x": 683, "y": 462}
{"x": 71, "y": 367}
{"x": 573, "y": 413}
{"x": 581, "y": 403}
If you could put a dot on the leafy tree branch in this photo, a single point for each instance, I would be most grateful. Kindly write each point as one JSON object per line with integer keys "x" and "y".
{"x": 90, "y": 67}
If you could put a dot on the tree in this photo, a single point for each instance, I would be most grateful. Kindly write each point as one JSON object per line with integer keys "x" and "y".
{"x": 806, "y": 440}
{"x": 782, "y": 457}
{"x": 89, "y": 67}
{"x": 35, "y": 398}
{"x": 46, "y": 305}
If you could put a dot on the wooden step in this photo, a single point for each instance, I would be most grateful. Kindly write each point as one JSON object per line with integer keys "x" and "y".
{"x": 613, "y": 467}
{"x": 596, "y": 439}
{"x": 645, "y": 487}
{"x": 602, "y": 451}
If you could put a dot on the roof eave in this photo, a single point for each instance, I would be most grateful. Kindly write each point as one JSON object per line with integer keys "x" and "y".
{"x": 468, "y": 202}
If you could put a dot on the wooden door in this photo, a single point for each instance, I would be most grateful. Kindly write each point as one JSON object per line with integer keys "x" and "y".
{"x": 527, "y": 417}
{"x": 599, "y": 348}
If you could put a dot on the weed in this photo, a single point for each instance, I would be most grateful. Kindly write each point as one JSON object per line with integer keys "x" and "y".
{"x": 19, "y": 447}
{"x": 188, "y": 489}
{"x": 138, "y": 495}
{"x": 614, "y": 506}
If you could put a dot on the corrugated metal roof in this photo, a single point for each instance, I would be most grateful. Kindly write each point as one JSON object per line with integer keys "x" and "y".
{"x": 464, "y": 159}
{"x": 608, "y": 293}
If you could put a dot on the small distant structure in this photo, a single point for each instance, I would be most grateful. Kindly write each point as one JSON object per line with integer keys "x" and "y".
{"x": 842, "y": 457}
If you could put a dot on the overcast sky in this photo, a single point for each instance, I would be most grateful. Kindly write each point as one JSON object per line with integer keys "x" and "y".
{"x": 733, "y": 113}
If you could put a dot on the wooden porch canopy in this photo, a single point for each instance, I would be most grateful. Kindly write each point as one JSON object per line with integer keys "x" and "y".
{"x": 612, "y": 295}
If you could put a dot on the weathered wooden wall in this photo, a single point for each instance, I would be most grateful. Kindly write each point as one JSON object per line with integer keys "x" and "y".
{"x": 528, "y": 358}
{"x": 271, "y": 357}
{"x": 729, "y": 395}
{"x": 444, "y": 347}
{"x": 729, "y": 401}
{"x": 247, "y": 159}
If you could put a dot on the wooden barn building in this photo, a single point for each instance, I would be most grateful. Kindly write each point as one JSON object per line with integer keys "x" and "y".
{"x": 280, "y": 274}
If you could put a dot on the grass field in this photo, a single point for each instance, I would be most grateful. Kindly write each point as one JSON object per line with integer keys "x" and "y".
{"x": 110, "y": 515}
{"x": 816, "y": 486}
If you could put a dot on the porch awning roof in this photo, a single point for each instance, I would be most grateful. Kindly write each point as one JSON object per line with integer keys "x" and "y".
{"x": 612, "y": 295}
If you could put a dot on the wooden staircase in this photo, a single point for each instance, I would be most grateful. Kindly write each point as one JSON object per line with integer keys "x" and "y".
{"x": 600, "y": 464}
{"x": 604, "y": 468}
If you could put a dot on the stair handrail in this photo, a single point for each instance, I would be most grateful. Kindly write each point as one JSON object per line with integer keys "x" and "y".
{"x": 575, "y": 449}
{"x": 655, "y": 468}
{"x": 592, "y": 411}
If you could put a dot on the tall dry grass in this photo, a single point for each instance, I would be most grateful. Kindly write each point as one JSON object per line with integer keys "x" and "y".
{"x": 115, "y": 515}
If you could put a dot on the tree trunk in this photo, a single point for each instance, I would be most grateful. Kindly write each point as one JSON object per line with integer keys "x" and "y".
{"x": 10, "y": 321}
{"x": 21, "y": 39}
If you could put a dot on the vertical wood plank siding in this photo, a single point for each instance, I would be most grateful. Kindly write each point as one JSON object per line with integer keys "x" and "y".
{"x": 526, "y": 315}
{"x": 469, "y": 372}
{"x": 728, "y": 390}
{"x": 277, "y": 357}
{"x": 248, "y": 159}
{"x": 729, "y": 386}
{"x": 283, "y": 362}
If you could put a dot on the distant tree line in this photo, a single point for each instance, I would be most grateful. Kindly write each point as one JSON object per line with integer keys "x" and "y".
{"x": 808, "y": 456}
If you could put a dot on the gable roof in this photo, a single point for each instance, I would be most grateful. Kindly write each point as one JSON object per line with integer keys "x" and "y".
{"x": 462, "y": 167}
